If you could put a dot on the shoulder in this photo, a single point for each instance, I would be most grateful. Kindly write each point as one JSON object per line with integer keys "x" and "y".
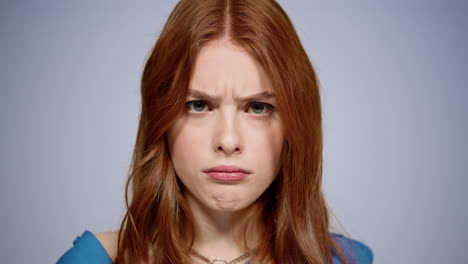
{"x": 108, "y": 240}
{"x": 93, "y": 249}
{"x": 353, "y": 249}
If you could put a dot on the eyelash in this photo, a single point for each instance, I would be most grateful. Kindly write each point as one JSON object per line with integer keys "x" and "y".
{"x": 269, "y": 107}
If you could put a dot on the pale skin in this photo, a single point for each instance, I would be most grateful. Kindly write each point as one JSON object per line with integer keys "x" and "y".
{"x": 226, "y": 131}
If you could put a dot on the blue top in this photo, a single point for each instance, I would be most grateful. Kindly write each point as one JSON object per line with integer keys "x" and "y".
{"x": 87, "y": 249}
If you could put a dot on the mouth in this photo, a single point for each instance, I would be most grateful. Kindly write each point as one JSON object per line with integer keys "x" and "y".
{"x": 227, "y": 173}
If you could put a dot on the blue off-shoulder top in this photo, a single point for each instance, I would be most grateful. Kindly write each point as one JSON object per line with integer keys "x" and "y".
{"x": 87, "y": 249}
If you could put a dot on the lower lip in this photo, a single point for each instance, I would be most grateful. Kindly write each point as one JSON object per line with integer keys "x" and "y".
{"x": 227, "y": 176}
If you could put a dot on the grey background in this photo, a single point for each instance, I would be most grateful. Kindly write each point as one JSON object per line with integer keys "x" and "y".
{"x": 393, "y": 76}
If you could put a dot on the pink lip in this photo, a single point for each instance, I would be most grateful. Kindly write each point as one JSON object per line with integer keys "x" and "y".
{"x": 227, "y": 173}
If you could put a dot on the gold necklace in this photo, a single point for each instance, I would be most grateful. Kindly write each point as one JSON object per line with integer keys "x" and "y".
{"x": 218, "y": 260}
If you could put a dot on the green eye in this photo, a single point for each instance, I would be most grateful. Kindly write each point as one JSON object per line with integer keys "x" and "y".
{"x": 198, "y": 106}
{"x": 258, "y": 108}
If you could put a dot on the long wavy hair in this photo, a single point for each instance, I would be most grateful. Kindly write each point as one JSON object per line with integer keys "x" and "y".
{"x": 158, "y": 226}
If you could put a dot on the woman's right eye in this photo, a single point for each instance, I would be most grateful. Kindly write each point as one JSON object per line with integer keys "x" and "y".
{"x": 196, "y": 106}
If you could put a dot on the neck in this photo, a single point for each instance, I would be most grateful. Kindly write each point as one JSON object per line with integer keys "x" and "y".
{"x": 219, "y": 233}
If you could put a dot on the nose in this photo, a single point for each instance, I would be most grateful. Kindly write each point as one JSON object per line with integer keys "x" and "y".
{"x": 227, "y": 138}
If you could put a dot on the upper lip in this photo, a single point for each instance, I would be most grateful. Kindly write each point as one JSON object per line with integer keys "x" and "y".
{"x": 226, "y": 168}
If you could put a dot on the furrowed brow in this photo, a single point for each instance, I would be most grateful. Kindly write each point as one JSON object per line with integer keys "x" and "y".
{"x": 256, "y": 97}
{"x": 203, "y": 96}
{"x": 216, "y": 99}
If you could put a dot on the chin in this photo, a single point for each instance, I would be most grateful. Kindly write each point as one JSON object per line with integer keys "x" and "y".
{"x": 228, "y": 204}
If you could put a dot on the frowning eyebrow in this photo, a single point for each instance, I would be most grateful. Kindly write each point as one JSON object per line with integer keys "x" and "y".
{"x": 216, "y": 99}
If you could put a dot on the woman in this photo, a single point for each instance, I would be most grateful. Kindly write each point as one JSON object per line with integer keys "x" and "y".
{"x": 227, "y": 166}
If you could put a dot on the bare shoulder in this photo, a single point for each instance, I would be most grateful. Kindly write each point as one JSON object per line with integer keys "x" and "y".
{"x": 109, "y": 242}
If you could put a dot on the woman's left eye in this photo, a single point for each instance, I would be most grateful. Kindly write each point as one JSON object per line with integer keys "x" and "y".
{"x": 259, "y": 108}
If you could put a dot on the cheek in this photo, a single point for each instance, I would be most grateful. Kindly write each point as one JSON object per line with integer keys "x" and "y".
{"x": 184, "y": 144}
{"x": 266, "y": 148}
{"x": 270, "y": 141}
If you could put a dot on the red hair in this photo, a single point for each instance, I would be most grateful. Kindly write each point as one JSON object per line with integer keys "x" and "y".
{"x": 158, "y": 226}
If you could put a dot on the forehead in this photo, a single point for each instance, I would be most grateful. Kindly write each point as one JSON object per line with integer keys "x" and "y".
{"x": 221, "y": 65}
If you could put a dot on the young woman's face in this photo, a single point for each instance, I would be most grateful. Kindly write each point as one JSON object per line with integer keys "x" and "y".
{"x": 226, "y": 130}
